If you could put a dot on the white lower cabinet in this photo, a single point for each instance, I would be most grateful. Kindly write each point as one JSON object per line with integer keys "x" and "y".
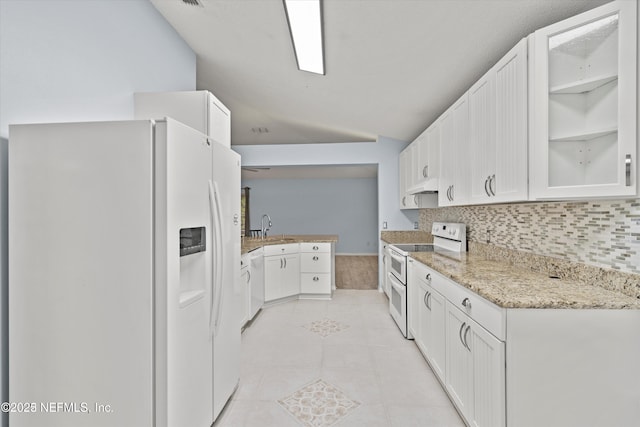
{"x": 528, "y": 367}
{"x": 245, "y": 283}
{"x": 475, "y": 370}
{"x": 304, "y": 270}
{"x": 427, "y": 317}
{"x": 316, "y": 269}
{"x": 431, "y": 332}
{"x": 467, "y": 358}
{"x": 281, "y": 271}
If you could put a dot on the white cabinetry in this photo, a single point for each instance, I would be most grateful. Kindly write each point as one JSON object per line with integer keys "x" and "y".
{"x": 245, "y": 290}
{"x": 199, "y": 109}
{"x": 429, "y": 331}
{"x": 583, "y": 122}
{"x": 498, "y": 131}
{"x": 475, "y": 370}
{"x": 462, "y": 337}
{"x": 408, "y": 169}
{"x": 453, "y": 186}
{"x": 429, "y": 155}
{"x": 384, "y": 250}
{"x": 316, "y": 267}
{"x": 565, "y": 367}
{"x": 256, "y": 276}
{"x": 281, "y": 271}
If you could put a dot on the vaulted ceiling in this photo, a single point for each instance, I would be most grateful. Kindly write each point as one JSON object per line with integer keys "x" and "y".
{"x": 392, "y": 66}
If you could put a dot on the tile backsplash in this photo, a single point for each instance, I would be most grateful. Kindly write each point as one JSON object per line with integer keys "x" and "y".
{"x": 600, "y": 233}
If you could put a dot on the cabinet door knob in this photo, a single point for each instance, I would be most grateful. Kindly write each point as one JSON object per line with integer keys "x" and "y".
{"x": 466, "y": 303}
{"x": 316, "y": 278}
{"x": 315, "y": 258}
{"x": 428, "y": 277}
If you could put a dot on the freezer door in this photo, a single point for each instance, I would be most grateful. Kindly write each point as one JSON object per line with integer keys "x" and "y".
{"x": 81, "y": 274}
{"x": 184, "y": 276}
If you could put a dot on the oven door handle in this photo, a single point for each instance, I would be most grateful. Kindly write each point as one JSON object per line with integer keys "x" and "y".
{"x": 395, "y": 255}
{"x": 396, "y": 284}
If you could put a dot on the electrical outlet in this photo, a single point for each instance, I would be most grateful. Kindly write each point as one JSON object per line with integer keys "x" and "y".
{"x": 384, "y": 225}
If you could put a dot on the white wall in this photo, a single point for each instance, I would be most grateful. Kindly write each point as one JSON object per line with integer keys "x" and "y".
{"x": 82, "y": 60}
{"x": 384, "y": 153}
{"x": 346, "y": 207}
{"x": 75, "y": 60}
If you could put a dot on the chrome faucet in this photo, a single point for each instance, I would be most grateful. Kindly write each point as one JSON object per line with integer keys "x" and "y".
{"x": 264, "y": 229}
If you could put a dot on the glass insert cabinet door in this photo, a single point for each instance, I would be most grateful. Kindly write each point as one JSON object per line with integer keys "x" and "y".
{"x": 583, "y": 105}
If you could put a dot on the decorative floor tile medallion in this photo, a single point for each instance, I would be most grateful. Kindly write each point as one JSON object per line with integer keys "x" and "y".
{"x": 325, "y": 327}
{"x": 318, "y": 404}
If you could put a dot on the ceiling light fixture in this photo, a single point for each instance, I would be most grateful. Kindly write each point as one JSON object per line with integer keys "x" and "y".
{"x": 304, "y": 18}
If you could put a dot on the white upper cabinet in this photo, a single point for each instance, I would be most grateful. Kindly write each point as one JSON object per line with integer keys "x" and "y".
{"x": 453, "y": 186}
{"x": 426, "y": 159}
{"x": 498, "y": 131}
{"x": 583, "y": 122}
{"x": 199, "y": 109}
{"x": 408, "y": 165}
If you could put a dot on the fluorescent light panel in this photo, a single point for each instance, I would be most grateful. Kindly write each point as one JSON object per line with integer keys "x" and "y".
{"x": 305, "y": 25}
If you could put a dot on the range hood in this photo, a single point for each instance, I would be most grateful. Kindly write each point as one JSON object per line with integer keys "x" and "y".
{"x": 428, "y": 186}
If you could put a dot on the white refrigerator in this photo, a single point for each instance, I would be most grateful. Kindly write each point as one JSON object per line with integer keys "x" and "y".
{"x": 121, "y": 282}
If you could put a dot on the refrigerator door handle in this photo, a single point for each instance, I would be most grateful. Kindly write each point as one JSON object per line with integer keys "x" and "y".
{"x": 220, "y": 254}
{"x": 216, "y": 291}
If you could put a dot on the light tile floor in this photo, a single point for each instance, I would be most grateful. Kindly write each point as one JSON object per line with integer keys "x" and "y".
{"x": 379, "y": 378}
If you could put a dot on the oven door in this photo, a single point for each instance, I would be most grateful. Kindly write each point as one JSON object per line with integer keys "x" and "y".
{"x": 398, "y": 303}
{"x": 398, "y": 265}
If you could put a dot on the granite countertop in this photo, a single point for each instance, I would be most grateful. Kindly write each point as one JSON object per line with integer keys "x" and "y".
{"x": 510, "y": 286}
{"x": 249, "y": 244}
{"x": 411, "y": 236}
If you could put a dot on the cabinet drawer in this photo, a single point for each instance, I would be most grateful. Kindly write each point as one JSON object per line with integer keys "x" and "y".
{"x": 315, "y": 247}
{"x": 315, "y": 263}
{"x": 290, "y": 248}
{"x": 487, "y": 314}
{"x": 315, "y": 283}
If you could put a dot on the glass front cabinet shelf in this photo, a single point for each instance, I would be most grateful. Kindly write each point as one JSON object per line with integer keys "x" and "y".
{"x": 583, "y": 105}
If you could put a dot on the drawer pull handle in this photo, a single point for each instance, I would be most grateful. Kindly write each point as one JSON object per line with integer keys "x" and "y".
{"x": 315, "y": 258}
{"x": 315, "y": 248}
{"x": 627, "y": 164}
{"x": 466, "y": 303}
{"x": 428, "y": 277}
{"x": 316, "y": 278}
{"x": 426, "y": 304}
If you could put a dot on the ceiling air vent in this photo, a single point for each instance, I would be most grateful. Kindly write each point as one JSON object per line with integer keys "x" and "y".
{"x": 193, "y": 2}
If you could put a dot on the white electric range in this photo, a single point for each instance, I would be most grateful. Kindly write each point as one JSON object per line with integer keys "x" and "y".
{"x": 449, "y": 238}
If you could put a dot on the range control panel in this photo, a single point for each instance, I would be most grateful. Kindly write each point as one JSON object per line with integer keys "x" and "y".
{"x": 450, "y": 230}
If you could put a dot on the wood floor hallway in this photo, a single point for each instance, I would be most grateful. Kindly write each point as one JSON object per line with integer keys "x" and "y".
{"x": 357, "y": 271}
